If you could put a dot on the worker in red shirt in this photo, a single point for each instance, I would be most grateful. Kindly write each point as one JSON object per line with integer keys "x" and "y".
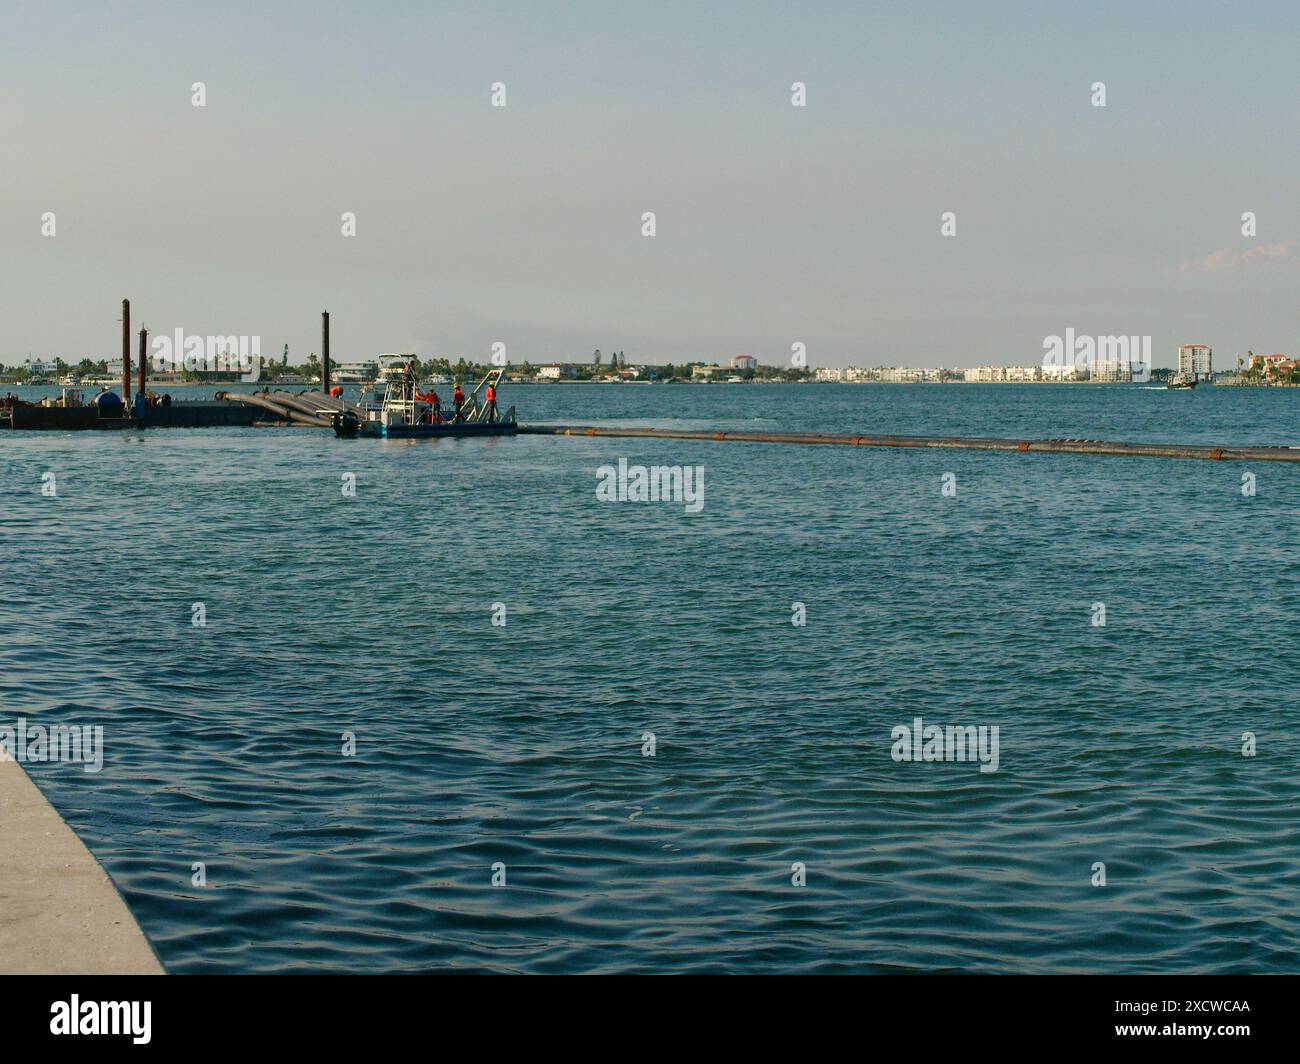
{"x": 490, "y": 397}
{"x": 458, "y": 399}
{"x": 435, "y": 415}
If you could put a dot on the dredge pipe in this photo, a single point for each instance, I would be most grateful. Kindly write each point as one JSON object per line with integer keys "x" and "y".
{"x": 280, "y": 410}
{"x": 301, "y": 403}
{"x": 967, "y": 443}
{"x": 321, "y": 400}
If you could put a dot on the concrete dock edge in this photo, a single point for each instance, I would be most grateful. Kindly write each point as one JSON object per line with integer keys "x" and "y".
{"x": 60, "y": 914}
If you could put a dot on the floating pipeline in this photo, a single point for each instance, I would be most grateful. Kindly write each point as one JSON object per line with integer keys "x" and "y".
{"x": 316, "y": 409}
{"x": 961, "y": 443}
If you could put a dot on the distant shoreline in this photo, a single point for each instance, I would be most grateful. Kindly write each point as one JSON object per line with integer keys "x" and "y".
{"x": 515, "y": 383}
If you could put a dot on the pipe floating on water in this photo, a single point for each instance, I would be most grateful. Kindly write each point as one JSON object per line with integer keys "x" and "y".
{"x": 961, "y": 443}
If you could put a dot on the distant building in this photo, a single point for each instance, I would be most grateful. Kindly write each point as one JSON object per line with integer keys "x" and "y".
{"x": 556, "y": 370}
{"x": 744, "y": 362}
{"x": 1272, "y": 365}
{"x": 1021, "y": 374}
{"x": 707, "y": 372}
{"x": 1196, "y": 360}
{"x": 1111, "y": 372}
{"x": 1064, "y": 374}
{"x": 355, "y": 372}
{"x": 1107, "y": 371}
{"x": 908, "y": 374}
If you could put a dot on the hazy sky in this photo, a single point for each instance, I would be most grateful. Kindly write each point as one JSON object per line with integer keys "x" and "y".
{"x": 775, "y": 224}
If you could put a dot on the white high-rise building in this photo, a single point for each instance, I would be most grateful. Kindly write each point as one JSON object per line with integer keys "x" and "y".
{"x": 1196, "y": 360}
{"x": 1111, "y": 372}
{"x": 1024, "y": 373}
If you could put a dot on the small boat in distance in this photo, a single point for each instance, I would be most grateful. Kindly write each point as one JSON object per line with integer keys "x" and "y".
{"x": 392, "y": 368}
{"x": 405, "y": 412}
{"x": 1181, "y": 381}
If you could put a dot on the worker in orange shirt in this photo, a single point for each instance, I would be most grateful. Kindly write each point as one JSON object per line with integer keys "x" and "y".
{"x": 490, "y": 397}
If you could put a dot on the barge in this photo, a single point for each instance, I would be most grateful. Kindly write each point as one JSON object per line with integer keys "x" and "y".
{"x": 227, "y": 410}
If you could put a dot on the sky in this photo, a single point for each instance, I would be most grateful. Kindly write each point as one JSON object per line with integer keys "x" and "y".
{"x": 774, "y": 224}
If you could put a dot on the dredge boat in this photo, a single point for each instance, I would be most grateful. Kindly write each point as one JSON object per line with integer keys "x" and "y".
{"x": 1181, "y": 380}
{"x": 405, "y": 412}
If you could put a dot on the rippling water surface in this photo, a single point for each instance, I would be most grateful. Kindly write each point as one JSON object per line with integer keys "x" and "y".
{"x": 522, "y": 744}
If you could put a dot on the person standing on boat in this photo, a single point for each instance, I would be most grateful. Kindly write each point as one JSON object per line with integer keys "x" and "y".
{"x": 490, "y": 398}
{"x": 435, "y": 415}
{"x": 458, "y": 399}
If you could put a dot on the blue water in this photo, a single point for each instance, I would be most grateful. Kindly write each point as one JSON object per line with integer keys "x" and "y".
{"x": 522, "y": 744}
